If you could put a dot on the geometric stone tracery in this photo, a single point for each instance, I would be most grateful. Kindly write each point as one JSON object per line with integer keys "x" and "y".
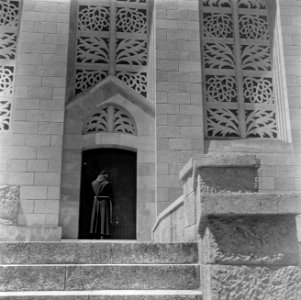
{"x": 237, "y": 71}
{"x": 112, "y": 39}
{"x": 9, "y": 22}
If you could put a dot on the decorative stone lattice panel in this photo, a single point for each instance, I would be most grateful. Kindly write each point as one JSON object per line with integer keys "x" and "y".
{"x": 236, "y": 47}
{"x": 9, "y": 22}
{"x": 110, "y": 118}
{"x": 112, "y": 39}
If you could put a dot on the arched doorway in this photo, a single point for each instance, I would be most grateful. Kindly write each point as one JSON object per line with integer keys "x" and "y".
{"x": 122, "y": 165}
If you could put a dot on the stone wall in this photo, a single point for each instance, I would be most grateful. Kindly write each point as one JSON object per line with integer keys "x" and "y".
{"x": 178, "y": 93}
{"x": 31, "y": 150}
{"x": 179, "y": 101}
{"x": 280, "y": 160}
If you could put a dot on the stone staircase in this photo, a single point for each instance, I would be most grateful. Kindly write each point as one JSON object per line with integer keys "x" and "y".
{"x": 86, "y": 270}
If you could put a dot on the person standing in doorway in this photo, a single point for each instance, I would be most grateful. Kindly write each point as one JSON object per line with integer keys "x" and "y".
{"x": 101, "y": 218}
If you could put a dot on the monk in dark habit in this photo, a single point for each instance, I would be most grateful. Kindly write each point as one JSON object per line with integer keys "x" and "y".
{"x": 101, "y": 218}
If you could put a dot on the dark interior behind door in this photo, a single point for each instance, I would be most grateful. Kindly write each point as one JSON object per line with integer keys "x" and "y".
{"x": 122, "y": 167}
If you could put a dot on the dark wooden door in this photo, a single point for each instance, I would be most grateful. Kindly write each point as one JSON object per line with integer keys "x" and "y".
{"x": 122, "y": 167}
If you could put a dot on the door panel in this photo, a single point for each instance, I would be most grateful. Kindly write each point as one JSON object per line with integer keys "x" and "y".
{"x": 122, "y": 167}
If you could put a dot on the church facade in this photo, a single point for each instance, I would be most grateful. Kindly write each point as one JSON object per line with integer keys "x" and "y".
{"x": 139, "y": 87}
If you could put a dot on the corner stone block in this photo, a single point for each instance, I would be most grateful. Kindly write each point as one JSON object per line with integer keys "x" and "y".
{"x": 251, "y": 282}
{"x": 223, "y": 179}
{"x": 250, "y": 240}
{"x": 215, "y": 173}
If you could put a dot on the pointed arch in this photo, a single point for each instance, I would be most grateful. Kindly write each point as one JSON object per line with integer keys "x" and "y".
{"x": 110, "y": 118}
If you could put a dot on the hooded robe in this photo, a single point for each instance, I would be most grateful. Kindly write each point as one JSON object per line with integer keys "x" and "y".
{"x": 102, "y": 207}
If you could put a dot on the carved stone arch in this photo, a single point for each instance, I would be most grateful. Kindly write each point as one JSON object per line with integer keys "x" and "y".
{"x": 110, "y": 118}
{"x": 84, "y": 108}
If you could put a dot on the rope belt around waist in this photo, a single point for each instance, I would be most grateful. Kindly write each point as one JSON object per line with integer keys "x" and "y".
{"x": 101, "y": 198}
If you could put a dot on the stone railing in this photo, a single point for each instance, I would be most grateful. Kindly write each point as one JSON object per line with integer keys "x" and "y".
{"x": 170, "y": 223}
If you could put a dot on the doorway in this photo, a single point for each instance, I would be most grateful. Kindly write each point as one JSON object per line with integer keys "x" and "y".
{"x": 122, "y": 165}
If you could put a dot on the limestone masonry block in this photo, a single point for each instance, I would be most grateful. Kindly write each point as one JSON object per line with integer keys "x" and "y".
{"x": 33, "y": 192}
{"x": 25, "y": 127}
{"x": 24, "y": 233}
{"x": 228, "y": 204}
{"x": 44, "y": 178}
{"x": 14, "y": 253}
{"x": 32, "y": 278}
{"x": 46, "y": 206}
{"x": 189, "y": 66}
{"x": 18, "y": 178}
{"x": 37, "y": 140}
{"x": 251, "y": 282}
{"x": 26, "y": 206}
{"x": 178, "y": 98}
{"x": 53, "y": 192}
{"x": 32, "y": 220}
{"x": 152, "y": 253}
{"x": 17, "y": 165}
{"x": 240, "y": 179}
{"x": 132, "y": 277}
{"x": 37, "y": 165}
{"x": 250, "y": 240}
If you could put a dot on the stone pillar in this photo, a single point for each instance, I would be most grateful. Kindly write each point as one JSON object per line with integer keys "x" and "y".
{"x": 247, "y": 240}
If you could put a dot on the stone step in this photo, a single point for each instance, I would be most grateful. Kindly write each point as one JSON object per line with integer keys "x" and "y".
{"x": 104, "y": 295}
{"x": 98, "y": 252}
{"x": 99, "y": 277}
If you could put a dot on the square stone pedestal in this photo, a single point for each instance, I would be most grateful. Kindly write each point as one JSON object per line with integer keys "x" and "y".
{"x": 248, "y": 245}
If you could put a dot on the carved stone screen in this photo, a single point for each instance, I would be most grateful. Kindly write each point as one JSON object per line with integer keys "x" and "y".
{"x": 237, "y": 69}
{"x": 112, "y": 39}
{"x": 110, "y": 118}
{"x": 9, "y": 24}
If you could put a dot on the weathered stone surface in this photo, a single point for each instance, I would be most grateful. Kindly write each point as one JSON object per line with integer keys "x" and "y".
{"x": 14, "y": 253}
{"x": 96, "y": 252}
{"x": 70, "y": 252}
{"x": 219, "y": 160}
{"x": 103, "y": 295}
{"x": 251, "y": 282}
{"x": 32, "y": 278}
{"x": 98, "y": 277}
{"x": 24, "y": 233}
{"x": 248, "y": 240}
{"x": 227, "y": 179}
{"x": 147, "y": 297}
{"x": 154, "y": 253}
{"x": 9, "y": 204}
{"x": 250, "y": 203}
{"x": 37, "y": 296}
